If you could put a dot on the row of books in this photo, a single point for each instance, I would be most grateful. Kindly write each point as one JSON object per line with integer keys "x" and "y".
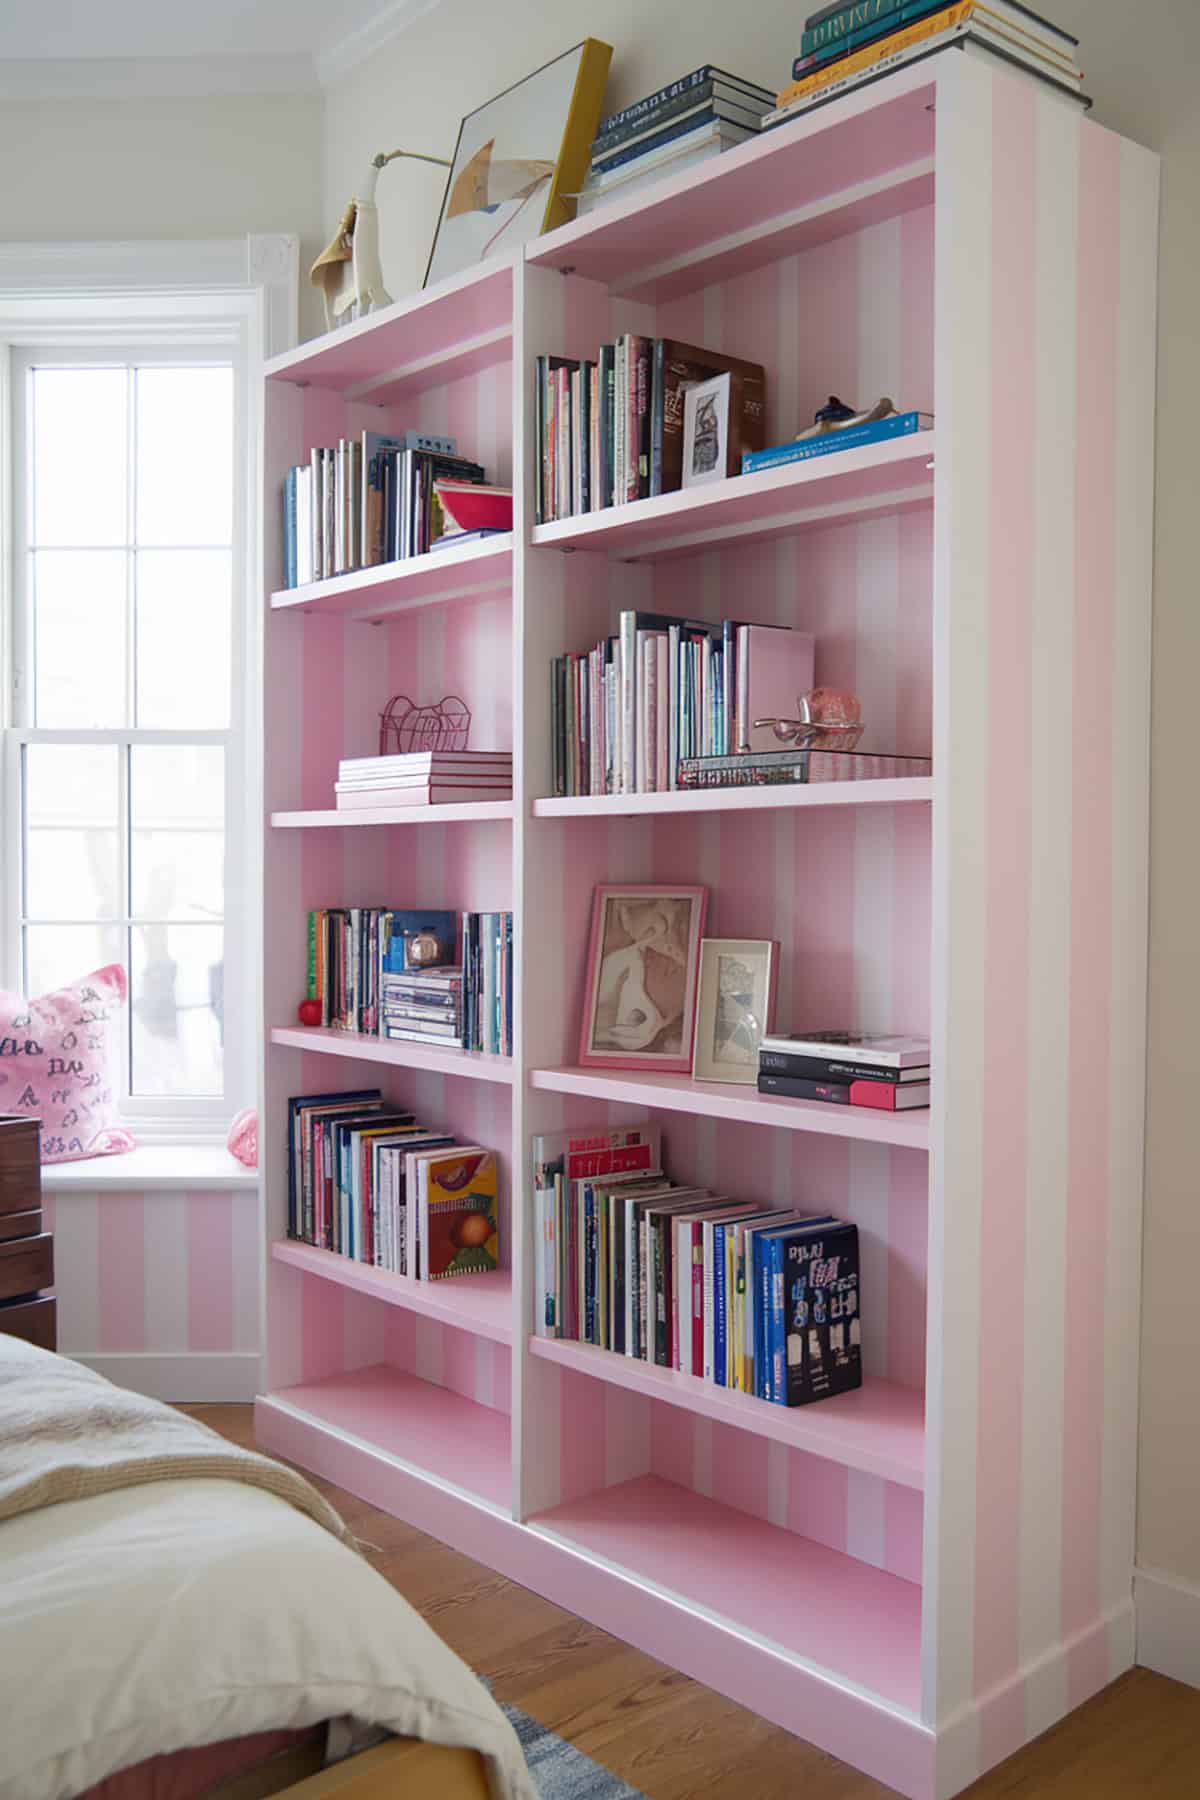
{"x": 764, "y": 1300}
{"x": 370, "y": 1183}
{"x": 854, "y": 41}
{"x": 423, "y": 778}
{"x": 611, "y": 430}
{"x": 362, "y": 962}
{"x": 682, "y": 124}
{"x": 786, "y": 768}
{"x": 628, "y": 715}
{"x": 367, "y": 500}
{"x": 847, "y": 1068}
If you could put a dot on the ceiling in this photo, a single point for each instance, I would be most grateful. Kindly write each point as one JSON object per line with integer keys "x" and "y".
{"x": 175, "y": 46}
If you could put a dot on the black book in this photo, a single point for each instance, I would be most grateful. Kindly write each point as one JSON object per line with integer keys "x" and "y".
{"x": 794, "y": 1087}
{"x": 829, "y": 1068}
{"x": 822, "y": 1322}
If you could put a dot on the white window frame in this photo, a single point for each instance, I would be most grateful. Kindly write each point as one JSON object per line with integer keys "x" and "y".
{"x": 166, "y": 302}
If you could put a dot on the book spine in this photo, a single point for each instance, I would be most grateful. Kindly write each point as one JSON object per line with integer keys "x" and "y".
{"x": 817, "y": 1068}
{"x": 720, "y": 1306}
{"x": 777, "y": 1345}
{"x": 902, "y": 12}
{"x": 646, "y": 118}
{"x": 642, "y": 399}
{"x": 641, "y": 108}
{"x": 675, "y": 133}
{"x": 852, "y": 438}
{"x": 837, "y": 28}
{"x": 793, "y": 1087}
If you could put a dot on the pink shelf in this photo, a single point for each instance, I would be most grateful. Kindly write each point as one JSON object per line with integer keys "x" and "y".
{"x": 916, "y": 790}
{"x": 481, "y": 1304}
{"x": 813, "y": 1603}
{"x": 426, "y": 1428}
{"x": 849, "y": 485}
{"x": 879, "y": 1430}
{"x": 483, "y": 566}
{"x": 470, "y": 1064}
{"x": 478, "y": 812}
{"x": 722, "y": 1100}
{"x": 860, "y": 160}
{"x": 453, "y": 329}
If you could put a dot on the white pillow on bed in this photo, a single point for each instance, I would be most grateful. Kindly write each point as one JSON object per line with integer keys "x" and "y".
{"x": 188, "y": 1612}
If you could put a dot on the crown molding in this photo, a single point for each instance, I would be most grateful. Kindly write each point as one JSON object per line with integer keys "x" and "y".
{"x": 334, "y": 60}
{"x": 159, "y": 77}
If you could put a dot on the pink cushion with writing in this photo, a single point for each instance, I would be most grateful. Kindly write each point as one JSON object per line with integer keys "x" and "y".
{"x": 57, "y": 1063}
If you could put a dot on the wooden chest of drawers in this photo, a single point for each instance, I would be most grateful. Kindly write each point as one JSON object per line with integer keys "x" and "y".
{"x": 27, "y": 1307}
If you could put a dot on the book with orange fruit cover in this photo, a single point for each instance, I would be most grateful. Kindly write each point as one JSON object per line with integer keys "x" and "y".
{"x": 458, "y": 1232}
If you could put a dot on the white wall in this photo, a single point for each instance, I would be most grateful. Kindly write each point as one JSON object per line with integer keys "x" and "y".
{"x": 1141, "y": 62}
{"x": 89, "y": 170}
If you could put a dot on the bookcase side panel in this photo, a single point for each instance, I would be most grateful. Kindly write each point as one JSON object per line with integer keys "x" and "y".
{"x": 1046, "y": 256}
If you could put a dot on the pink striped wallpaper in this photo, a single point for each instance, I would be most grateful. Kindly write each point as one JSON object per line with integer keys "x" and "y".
{"x": 1042, "y": 609}
{"x": 156, "y": 1273}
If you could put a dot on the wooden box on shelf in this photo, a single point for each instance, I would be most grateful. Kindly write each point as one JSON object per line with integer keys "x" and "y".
{"x": 27, "y": 1309}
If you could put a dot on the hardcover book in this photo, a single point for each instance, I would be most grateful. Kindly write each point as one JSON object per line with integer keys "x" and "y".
{"x": 458, "y": 1227}
{"x": 822, "y": 1352}
{"x": 676, "y": 365}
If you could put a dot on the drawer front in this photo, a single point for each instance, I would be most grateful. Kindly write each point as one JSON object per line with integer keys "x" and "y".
{"x": 20, "y": 1164}
{"x": 34, "y": 1320}
{"x": 20, "y": 1224}
{"x": 26, "y": 1264}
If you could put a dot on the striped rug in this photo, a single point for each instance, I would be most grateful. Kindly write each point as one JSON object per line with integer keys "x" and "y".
{"x": 559, "y": 1771}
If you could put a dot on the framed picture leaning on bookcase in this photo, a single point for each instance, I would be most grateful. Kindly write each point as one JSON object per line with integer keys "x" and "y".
{"x": 922, "y": 1572}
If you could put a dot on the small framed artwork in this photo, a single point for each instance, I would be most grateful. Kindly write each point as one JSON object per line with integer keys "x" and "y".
{"x": 640, "y": 994}
{"x": 735, "y": 1008}
{"x": 705, "y": 430}
{"x": 519, "y": 160}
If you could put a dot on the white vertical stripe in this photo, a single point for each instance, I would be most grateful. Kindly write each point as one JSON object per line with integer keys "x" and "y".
{"x": 880, "y": 315}
{"x": 962, "y": 485}
{"x": 484, "y": 1384}
{"x": 874, "y": 935}
{"x": 777, "y": 1477}
{"x": 702, "y": 1456}
{"x": 76, "y": 1271}
{"x": 783, "y": 391}
{"x": 427, "y": 1359}
{"x": 865, "y": 1525}
{"x": 870, "y": 1187}
{"x": 363, "y": 1326}
{"x": 784, "y": 830}
{"x": 627, "y": 1435}
{"x": 247, "y": 1258}
{"x": 1131, "y": 788}
{"x": 1054, "y": 452}
{"x": 166, "y": 1271}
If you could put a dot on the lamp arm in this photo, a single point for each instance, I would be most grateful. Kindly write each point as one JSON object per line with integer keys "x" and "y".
{"x": 417, "y": 156}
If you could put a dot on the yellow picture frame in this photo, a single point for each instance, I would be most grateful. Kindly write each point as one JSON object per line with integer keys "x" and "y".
{"x": 519, "y": 161}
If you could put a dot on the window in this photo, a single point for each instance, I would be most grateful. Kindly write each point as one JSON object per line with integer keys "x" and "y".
{"x": 122, "y": 823}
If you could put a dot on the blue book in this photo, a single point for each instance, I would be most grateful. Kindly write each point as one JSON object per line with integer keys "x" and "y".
{"x": 770, "y": 1371}
{"x": 679, "y": 128}
{"x": 290, "y": 578}
{"x": 686, "y": 83}
{"x": 853, "y": 437}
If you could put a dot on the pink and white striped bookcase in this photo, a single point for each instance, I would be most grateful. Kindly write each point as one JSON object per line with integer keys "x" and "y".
{"x": 922, "y": 1576}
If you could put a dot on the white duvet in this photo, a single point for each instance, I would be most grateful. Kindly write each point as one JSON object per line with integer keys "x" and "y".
{"x": 187, "y": 1612}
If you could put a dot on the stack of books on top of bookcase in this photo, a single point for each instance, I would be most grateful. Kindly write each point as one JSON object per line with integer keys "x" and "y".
{"x": 679, "y": 126}
{"x": 847, "y": 1068}
{"x": 423, "y": 778}
{"x": 760, "y": 1299}
{"x": 374, "y": 1185}
{"x": 846, "y": 44}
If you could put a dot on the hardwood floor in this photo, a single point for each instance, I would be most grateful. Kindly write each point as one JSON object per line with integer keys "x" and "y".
{"x": 672, "y": 1738}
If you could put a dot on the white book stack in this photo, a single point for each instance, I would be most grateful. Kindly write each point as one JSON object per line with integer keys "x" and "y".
{"x": 424, "y": 778}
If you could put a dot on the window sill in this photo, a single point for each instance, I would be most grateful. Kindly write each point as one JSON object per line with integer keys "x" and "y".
{"x": 149, "y": 1168}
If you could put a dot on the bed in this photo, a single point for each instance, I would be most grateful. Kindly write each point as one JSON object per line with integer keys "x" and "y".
{"x": 181, "y": 1617}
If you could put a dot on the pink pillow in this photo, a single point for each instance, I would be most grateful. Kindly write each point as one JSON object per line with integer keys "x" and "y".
{"x": 57, "y": 1056}
{"x": 242, "y": 1141}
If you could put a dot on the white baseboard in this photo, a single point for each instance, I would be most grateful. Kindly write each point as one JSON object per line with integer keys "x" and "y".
{"x": 1168, "y": 1624}
{"x": 195, "y": 1376}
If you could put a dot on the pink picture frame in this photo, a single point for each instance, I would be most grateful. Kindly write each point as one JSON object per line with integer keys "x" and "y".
{"x": 639, "y": 1007}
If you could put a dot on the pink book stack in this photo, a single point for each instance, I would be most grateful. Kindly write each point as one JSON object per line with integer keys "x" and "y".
{"x": 424, "y": 778}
